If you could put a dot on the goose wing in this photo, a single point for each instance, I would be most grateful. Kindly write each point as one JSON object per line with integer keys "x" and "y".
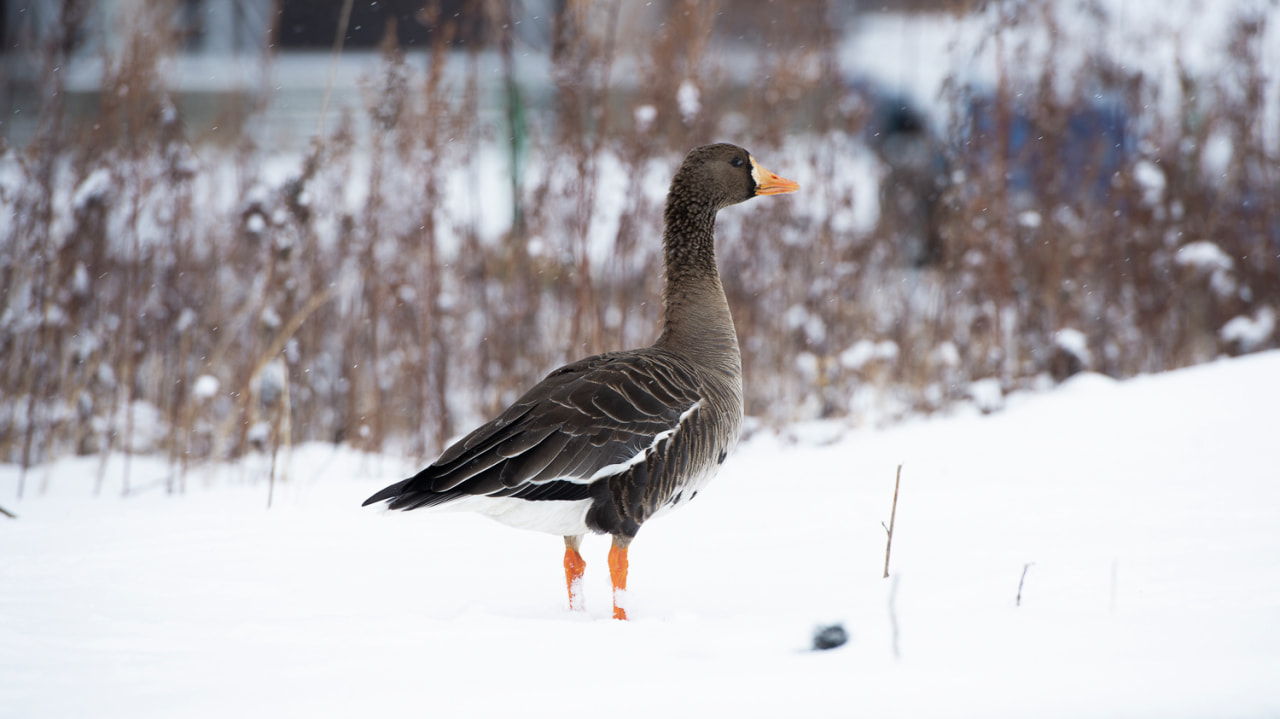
{"x": 582, "y": 423}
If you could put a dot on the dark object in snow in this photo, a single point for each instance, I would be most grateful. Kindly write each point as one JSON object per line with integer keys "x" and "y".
{"x": 1017, "y": 602}
{"x": 605, "y": 443}
{"x": 7, "y": 513}
{"x": 829, "y": 637}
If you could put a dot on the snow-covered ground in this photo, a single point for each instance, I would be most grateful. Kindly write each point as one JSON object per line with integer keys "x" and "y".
{"x": 1146, "y": 515}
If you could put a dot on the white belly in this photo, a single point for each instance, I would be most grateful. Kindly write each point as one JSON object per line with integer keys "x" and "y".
{"x": 561, "y": 517}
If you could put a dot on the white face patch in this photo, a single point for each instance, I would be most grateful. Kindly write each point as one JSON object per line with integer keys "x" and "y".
{"x": 755, "y": 170}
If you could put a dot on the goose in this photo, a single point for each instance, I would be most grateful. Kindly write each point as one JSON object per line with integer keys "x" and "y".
{"x": 605, "y": 444}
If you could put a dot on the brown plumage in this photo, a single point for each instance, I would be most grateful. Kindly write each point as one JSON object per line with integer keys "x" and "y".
{"x": 606, "y": 443}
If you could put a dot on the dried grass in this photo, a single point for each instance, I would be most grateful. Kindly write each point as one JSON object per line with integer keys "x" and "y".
{"x": 124, "y": 284}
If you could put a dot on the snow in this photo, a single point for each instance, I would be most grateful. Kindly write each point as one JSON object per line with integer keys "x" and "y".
{"x": 860, "y": 353}
{"x": 1218, "y": 151}
{"x": 1143, "y": 511}
{"x": 1151, "y": 179}
{"x": 1204, "y": 255}
{"x": 987, "y": 394}
{"x": 141, "y": 425}
{"x": 1209, "y": 259}
{"x": 1029, "y": 219}
{"x": 689, "y": 100}
{"x": 644, "y": 117}
{"x": 206, "y": 386}
{"x": 1074, "y": 343}
{"x": 1250, "y": 333}
{"x": 92, "y": 189}
{"x": 256, "y": 224}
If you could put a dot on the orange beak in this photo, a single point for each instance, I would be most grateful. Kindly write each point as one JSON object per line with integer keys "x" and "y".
{"x": 768, "y": 183}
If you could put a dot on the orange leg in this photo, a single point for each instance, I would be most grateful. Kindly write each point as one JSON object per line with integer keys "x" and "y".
{"x": 574, "y": 567}
{"x": 618, "y": 573}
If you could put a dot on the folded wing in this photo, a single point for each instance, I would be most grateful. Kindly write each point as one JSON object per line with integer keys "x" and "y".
{"x": 581, "y": 424}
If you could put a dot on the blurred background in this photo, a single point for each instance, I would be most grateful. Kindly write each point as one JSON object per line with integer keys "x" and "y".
{"x": 229, "y": 227}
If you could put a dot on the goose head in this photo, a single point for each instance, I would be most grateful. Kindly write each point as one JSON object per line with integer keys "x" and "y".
{"x": 726, "y": 175}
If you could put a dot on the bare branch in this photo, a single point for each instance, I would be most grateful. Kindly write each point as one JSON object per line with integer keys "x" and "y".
{"x": 893, "y": 514}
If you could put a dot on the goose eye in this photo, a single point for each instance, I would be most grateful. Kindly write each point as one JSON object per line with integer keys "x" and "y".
{"x": 736, "y": 162}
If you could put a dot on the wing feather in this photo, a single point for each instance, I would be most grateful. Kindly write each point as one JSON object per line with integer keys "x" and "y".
{"x": 581, "y": 424}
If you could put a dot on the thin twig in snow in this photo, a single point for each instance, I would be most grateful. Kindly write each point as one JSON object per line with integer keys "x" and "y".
{"x": 1018, "y": 601}
{"x": 893, "y": 513}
